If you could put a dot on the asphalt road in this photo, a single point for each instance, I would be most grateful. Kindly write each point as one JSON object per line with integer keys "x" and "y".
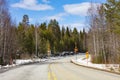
{"x": 60, "y": 69}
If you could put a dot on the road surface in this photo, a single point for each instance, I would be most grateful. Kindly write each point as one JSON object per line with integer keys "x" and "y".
{"x": 60, "y": 69}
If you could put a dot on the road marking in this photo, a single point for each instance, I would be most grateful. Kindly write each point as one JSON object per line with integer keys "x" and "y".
{"x": 51, "y": 75}
{"x": 49, "y": 78}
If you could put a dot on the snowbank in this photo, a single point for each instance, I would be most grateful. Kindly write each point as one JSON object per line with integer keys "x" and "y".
{"x": 21, "y": 62}
{"x": 110, "y": 67}
{"x": 27, "y": 61}
{"x": 88, "y": 63}
{"x": 18, "y": 62}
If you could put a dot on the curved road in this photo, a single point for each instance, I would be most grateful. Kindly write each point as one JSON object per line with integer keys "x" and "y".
{"x": 60, "y": 69}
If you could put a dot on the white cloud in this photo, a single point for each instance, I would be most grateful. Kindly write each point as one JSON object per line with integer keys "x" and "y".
{"x": 32, "y": 5}
{"x": 46, "y": 1}
{"x": 78, "y": 9}
{"x": 58, "y": 17}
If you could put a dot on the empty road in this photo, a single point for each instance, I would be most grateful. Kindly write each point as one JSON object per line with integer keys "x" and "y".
{"x": 60, "y": 69}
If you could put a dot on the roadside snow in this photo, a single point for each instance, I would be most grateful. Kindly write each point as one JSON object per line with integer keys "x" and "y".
{"x": 27, "y": 61}
{"x": 85, "y": 62}
{"x": 21, "y": 61}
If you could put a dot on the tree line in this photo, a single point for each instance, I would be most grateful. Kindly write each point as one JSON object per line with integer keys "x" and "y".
{"x": 25, "y": 38}
{"x": 59, "y": 39}
{"x": 104, "y": 32}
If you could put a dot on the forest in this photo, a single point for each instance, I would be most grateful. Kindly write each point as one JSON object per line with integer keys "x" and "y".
{"x": 33, "y": 39}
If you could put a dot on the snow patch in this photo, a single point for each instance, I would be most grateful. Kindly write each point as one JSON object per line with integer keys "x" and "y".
{"x": 18, "y": 62}
{"x": 21, "y": 61}
{"x": 87, "y": 62}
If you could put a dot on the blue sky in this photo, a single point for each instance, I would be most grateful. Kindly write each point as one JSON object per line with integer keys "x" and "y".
{"x": 70, "y": 13}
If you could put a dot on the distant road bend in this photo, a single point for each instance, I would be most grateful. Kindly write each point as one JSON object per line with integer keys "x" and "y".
{"x": 60, "y": 69}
